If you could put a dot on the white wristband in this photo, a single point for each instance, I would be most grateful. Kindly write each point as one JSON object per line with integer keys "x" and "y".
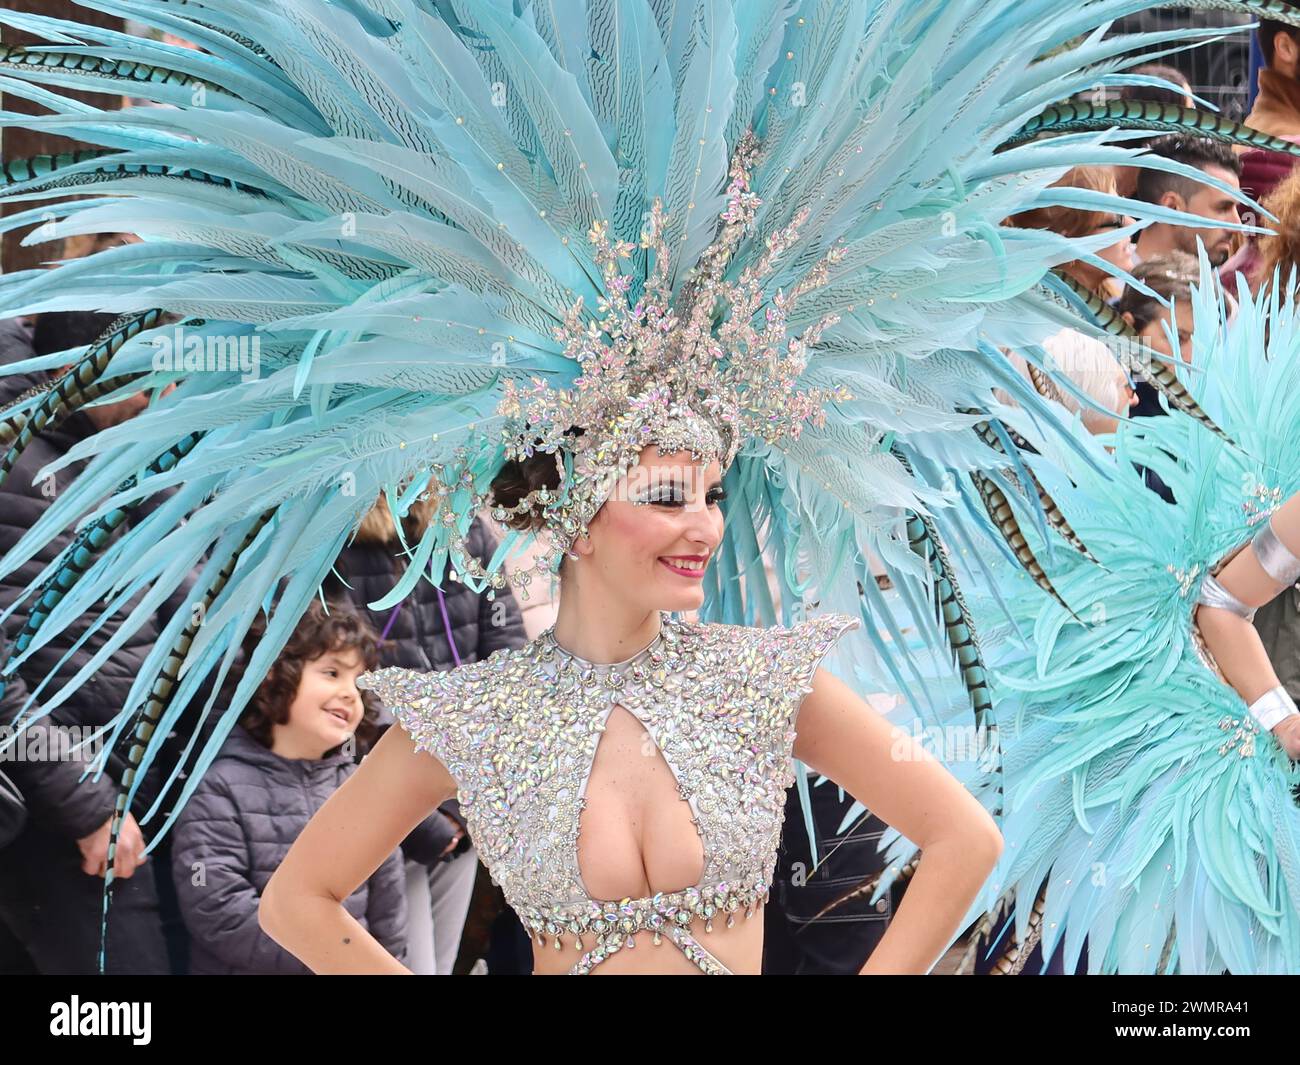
{"x": 1275, "y": 558}
{"x": 1272, "y": 707}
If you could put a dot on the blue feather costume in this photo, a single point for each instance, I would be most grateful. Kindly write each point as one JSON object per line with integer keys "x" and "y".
{"x": 384, "y": 203}
{"x": 1146, "y": 813}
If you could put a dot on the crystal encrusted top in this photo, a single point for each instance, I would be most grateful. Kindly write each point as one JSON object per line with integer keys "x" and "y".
{"x": 519, "y": 731}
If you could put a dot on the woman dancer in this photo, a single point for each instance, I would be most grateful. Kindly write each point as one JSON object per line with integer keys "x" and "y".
{"x": 625, "y": 773}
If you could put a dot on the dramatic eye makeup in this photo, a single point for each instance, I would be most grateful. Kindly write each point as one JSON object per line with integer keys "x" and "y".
{"x": 673, "y": 494}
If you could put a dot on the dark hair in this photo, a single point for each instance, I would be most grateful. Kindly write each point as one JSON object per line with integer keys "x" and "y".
{"x": 1200, "y": 152}
{"x": 317, "y": 634}
{"x": 1153, "y": 93}
{"x": 1268, "y": 30}
{"x": 61, "y": 330}
{"x": 519, "y": 477}
{"x": 1171, "y": 276}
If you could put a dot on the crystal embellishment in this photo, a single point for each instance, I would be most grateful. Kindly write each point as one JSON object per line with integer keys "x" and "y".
{"x": 520, "y": 736}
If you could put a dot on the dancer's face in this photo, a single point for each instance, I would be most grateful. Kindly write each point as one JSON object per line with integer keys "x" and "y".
{"x": 655, "y": 536}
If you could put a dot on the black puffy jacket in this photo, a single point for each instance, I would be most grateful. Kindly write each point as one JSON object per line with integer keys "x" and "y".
{"x": 22, "y": 503}
{"x": 56, "y": 797}
{"x": 233, "y": 834}
{"x": 417, "y": 631}
{"x": 417, "y": 636}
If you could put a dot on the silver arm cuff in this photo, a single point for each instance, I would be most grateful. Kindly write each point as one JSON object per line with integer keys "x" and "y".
{"x": 1273, "y": 707}
{"x": 1276, "y": 558}
{"x": 1215, "y": 594}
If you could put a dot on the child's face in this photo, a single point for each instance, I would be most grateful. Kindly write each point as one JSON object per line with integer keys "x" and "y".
{"x": 327, "y": 708}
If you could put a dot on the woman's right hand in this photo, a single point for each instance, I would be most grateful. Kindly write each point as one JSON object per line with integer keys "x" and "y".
{"x": 393, "y": 789}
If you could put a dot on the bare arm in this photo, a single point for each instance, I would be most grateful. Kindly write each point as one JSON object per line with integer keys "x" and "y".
{"x": 359, "y": 826}
{"x": 1233, "y": 641}
{"x": 891, "y": 774}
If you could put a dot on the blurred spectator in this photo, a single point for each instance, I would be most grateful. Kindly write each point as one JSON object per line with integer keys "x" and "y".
{"x": 1261, "y": 255}
{"x": 1277, "y": 105}
{"x": 290, "y": 751}
{"x": 1171, "y": 277}
{"x": 1276, "y": 112}
{"x": 1180, "y": 97}
{"x": 1073, "y": 222}
{"x": 64, "y": 826}
{"x": 436, "y": 627}
{"x": 50, "y": 891}
{"x": 1263, "y": 169}
{"x": 1084, "y": 360}
{"x": 1262, "y": 173}
{"x": 1126, "y": 177}
{"x": 1177, "y": 193}
{"x": 1280, "y": 250}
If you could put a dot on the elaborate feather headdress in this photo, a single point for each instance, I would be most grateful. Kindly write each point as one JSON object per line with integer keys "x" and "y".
{"x": 673, "y": 373}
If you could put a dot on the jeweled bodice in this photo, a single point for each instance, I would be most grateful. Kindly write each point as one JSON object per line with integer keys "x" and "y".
{"x": 519, "y": 732}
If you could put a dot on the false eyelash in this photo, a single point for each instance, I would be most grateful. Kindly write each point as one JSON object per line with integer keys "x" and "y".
{"x": 712, "y": 497}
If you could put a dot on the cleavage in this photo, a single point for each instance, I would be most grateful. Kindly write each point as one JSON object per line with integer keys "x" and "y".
{"x": 636, "y": 836}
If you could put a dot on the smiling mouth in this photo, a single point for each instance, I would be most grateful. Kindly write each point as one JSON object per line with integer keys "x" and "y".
{"x": 685, "y": 568}
{"x": 338, "y": 715}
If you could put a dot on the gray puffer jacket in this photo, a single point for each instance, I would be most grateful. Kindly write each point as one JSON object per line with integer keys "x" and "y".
{"x": 233, "y": 834}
